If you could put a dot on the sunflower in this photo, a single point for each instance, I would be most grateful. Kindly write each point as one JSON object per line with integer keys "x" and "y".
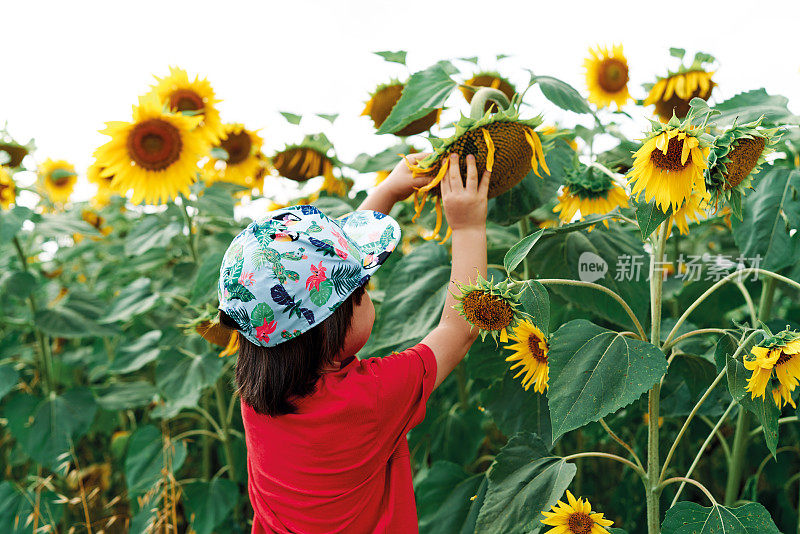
{"x": 12, "y": 153}
{"x": 775, "y": 362}
{"x": 607, "y": 76}
{"x": 97, "y": 221}
{"x": 104, "y": 190}
{"x": 670, "y": 163}
{"x": 196, "y": 98}
{"x": 554, "y": 132}
{"x": 737, "y": 155}
{"x": 490, "y": 307}
{"x": 236, "y": 158}
{"x": 575, "y": 518}
{"x": 502, "y": 143}
{"x": 531, "y": 354}
{"x": 58, "y": 179}
{"x": 692, "y": 209}
{"x": 8, "y": 190}
{"x": 155, "y": 155}
{"x": 380, "y": 105}
{"x": 673, "y": 93}
{"x": 487, "y": 79}
{"x": 589, "y": 191}
{"x": 217, "y": 334}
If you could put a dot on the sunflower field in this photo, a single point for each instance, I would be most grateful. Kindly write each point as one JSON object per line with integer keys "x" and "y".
{"x": 639, "y": 358}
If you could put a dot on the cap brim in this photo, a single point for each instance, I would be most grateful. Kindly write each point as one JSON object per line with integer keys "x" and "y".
{"x": 376, "y": 234}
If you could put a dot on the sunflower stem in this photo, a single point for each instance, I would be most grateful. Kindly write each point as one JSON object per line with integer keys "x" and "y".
{"x": 219, "y": 394}
{"x": 189, "y": 224}
{"x": 482, "y": 96}
{"x": 740, "y": 439}
{"x": 523, "y": 233}
{"x": 653, "y": 491}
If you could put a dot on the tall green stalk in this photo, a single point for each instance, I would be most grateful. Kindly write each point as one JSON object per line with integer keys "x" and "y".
{"x": 223, "y": 421}
{"x": 654, "y": 395}
{"x": 738, "y": 453}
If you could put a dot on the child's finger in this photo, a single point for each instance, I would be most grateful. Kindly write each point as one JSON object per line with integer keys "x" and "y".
{"x": 472, "y": 174}
{"x": 444, "y": 185}
{"x": 454, "y": 173}
{"x": 483, "y": 187}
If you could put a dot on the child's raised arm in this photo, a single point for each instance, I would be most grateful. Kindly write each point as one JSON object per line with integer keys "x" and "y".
{"x": 465, "y": 209}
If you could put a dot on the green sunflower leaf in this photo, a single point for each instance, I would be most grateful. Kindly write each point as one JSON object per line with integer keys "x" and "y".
{"x": 524, "y": 480}
{"x": 424, "y": 92}
{"x": 394, "y": 57}
{"x": 291, "y": 118}
{"x": 561, "y": 94}
{"x": 649, "y": 216}
{"x": 59, "y": 421}
{"x": 515, "y": 410}
{"x": 146, "y": 457}
{"x": 209, "y": 503}
{"x": 443, "y": 494}
{"x": 692, "y": 518}
{"x": 536, "y": 303}
{"x": 520, "y": 250}
{"x": 595, "y": 372}
{"x": 751, "y": 105}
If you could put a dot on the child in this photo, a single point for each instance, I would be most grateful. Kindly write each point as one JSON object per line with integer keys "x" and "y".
{"x": 326, "y": 432}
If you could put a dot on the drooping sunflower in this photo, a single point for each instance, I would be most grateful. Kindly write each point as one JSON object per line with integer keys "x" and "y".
{"x": 502, "y": 143}
{"x": 57, "y": 178}
{"x": 217, "y": 334}
{"x": 155, "y": 155}
{"x": 380, "y": 105}
{"x": 576, "y": 517}
{"x": 590, "y": 191}
{"x": 670, "y": 163}
{"x": 492, "y": 308}
{"x": 195, "y": 97}
{"x": 737, "y": 155}
{"x": 12, "y": 153}
{"x": 97, "y": 221}
{"x": 310, "y": 159}
{"x": 671, "y": 94}
{"x": 607, "y": 76}
{"x": 531, "y": 355}
{"x": 775, "y": 362}
{"x": 8, "y": 190}
{"x": 235, "y": 159}
{"x": 487, "y": 79}
{"x": 692, "y": 209}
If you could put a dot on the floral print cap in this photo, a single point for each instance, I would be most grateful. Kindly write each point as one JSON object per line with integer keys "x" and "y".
{"x": 289, "y": 270}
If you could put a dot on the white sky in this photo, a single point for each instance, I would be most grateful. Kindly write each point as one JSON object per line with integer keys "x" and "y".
{"x": 70, "y": 66}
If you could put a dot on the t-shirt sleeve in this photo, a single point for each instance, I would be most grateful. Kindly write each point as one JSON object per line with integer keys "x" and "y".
{"x": 404, "y": 381}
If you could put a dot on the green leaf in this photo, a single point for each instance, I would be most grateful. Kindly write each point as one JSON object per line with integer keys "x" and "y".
{"x": 425, "y": 91}
{"x": 8, "y": 378}
{"x": 218, "y": 200}
{"x": 150, "y": 233}
{"x": 771, "y": 219}
{"x": 134, "y": 299}
{"x": 677, "y": 52}
{"x": 536, "y": 303}
{"x": 11, "y": 222}
{"x": 764, "y": 409}
{"x": 394, "y": 57}
{"x": 524, "y": 481}
{"x": 182, "y": 377}
{"x": 382, "y": 161}
{"x": 415, "y": 295}
{"x": 515, "y": 410}
{"x": 19, "y": 284}
{"x": 219, "y": 153}
{"x": 62, "y": 321}
{"x": 132, "y": 357}
{"x": 330, "y": 118}
{"x": 17, "y": 508}
{"x": 209, "y": 503}
{"x": 649, "y": 216}
{"x": 59, "y": 174}
{"x": 519, "y": 251}
{"x": 146, "y": 457}
{"x": 61, "y": 224}
{"x": 443, "y": 497}
{"x": 125, "y": 395}
{"x": 751, "y": 105}
{"x": 562, "y": 94}
{"x": 18, "y": 409}
{"x": 204, "y": 289}
{"x": 595, "y": 372}
{"x": 291, "y": 117}
{"x": 333, "y": 206}
{"x": 692, "y": 518}
{"x": 58, "y": 421}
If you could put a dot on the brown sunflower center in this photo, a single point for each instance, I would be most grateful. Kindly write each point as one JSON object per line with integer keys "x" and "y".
{"x": 671, "y": 161}
{"x": 743, "y": 159}
{"x": 487, "y": 311}
{"x": 783, "y": 358}
{"x": 61, "y": 179}
{"x": 613, "y": 75}
{"x": 536, "y": 350}
{"x": 580, "y": 523}
{"x": 238, "y": 146}
{"x": 154, "y": 144}
{"x": 185, "y": 100}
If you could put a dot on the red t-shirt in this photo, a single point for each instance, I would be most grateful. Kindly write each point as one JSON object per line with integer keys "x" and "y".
{"x": 341, "y": 464}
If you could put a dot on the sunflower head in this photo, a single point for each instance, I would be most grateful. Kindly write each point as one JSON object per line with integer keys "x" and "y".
{"x": 692, "y": 210}
{"x": 576, "y": 517}
{"x": 672, "y": 93}
{"x": 104, "y": 189}
{"x": 8, "y": 190}
{"x": 670, "y": 164}
{"x": 607, "y": 76}
{"x": 775, "y": 365}
{"x": 195, "y": 98}
{"x": 236, "y": 158}
{"x": 502, "y": 143}
{"x": 530, "y": 355}
{"x": 492, "y": 308}
{"x": 380, "y": 105}
{"x": 57, "y": 178}
{"x": 306, "y": 160}
{"x": 12, "y": 153}
{"x": 487, "y": 79}
{"x": 737, "y": 155}
{"x": 591, "y": 191}
{"x": 155, "y": 155}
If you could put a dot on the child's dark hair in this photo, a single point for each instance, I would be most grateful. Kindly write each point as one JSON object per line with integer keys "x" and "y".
{"x": 269, "y": 377}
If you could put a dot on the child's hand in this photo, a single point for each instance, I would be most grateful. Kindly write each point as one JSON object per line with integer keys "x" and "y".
{"x": 464, "y": 204}
{"x": 401, "y": 182}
